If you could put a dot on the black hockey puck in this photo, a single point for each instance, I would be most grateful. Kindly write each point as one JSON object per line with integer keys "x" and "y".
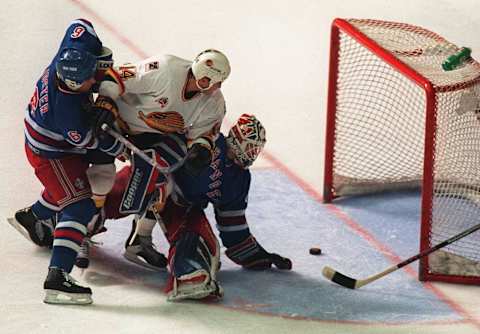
{"x": 315, "y": 251}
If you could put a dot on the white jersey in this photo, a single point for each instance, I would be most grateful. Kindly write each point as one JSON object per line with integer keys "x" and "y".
{"x": 153, "y": 99}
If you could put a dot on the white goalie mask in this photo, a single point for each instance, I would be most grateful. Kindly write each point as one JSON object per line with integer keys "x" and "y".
{"x": 246, "y": 140}
{"x": 211, "y": 64}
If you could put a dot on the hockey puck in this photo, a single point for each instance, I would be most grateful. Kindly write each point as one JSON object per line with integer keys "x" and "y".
{"x": 315, "y": 251}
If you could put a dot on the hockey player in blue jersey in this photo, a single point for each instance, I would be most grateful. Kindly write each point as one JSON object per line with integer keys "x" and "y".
{"x": 60, "y": 139}
{"x": 194, "y": 253}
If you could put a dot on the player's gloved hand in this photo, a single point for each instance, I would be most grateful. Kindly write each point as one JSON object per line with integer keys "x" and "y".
{"x": 250, "y": 255}
{"x": 105, "y": 111}
{"x": 199, "y": 156}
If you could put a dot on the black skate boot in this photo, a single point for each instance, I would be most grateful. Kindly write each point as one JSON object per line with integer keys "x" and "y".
{"x": 38, "y": 231}
{"x": 140, "y": 250}
{"x": 61, "y": 288}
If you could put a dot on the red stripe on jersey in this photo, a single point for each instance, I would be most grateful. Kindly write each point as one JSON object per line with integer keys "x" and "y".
{"x": 73, "y": 235}
{"x": 44, "y": 139}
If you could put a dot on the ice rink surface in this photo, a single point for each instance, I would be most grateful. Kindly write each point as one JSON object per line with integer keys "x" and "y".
{"x": 279, "y": 56}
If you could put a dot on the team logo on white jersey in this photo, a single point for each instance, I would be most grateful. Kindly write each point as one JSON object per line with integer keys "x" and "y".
{"x": 162, "y": 101}
{"x": 155, "y": 65}
{"x": 165, "y": 122}
{"x": 127, "y": 72}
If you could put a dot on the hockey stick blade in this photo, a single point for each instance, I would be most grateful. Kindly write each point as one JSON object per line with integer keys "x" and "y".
{"x": 339, "y": 278}
{"x": 351, "y": 283}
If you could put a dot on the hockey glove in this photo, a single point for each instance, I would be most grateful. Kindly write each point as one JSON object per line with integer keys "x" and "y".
{"x": 105, "y": 111}
{"x": 250, "y": 255}
{"x": 199, "y": 156}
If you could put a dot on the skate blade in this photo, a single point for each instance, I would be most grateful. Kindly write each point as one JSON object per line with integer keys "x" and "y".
{"x": 16, "y": 225}
{"x": 135, "y": 259}
{"x": 64, "y": 298}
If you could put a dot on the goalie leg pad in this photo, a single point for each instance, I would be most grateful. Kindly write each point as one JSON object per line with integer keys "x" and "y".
{"x": 114, "y": 197}
{"x": 142, "y": 182}
{"x": 193, "y": 268}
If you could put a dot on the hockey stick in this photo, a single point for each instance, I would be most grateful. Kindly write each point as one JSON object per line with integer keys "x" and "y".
{"x": 353, "y": 283}
{"x": 134, "y": 149}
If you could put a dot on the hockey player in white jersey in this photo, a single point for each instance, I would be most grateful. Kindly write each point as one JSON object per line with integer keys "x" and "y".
{"x": 173, "y": 109}
{"x": 167, "y": 94}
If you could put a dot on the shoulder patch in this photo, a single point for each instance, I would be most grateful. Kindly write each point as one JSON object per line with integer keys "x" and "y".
{"x": 127, "y": 72}
{"x": 154, "y": 65}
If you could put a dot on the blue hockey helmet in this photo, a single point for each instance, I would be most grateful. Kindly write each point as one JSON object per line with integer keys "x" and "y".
{"x": 75, "y": 66}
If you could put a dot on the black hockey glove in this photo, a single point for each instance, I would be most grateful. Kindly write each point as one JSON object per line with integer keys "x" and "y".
{"x": 250, "y": 255}
{"x": 105, "y": 111}
{"x": 199, "y": 156}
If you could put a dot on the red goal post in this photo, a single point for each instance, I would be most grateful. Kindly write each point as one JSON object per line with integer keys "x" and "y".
{"x": 396, "y": 120}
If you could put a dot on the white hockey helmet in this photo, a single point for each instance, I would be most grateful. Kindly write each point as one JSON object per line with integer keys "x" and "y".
{"x": 211, "y": 64}
{"x": 246, "y": 140}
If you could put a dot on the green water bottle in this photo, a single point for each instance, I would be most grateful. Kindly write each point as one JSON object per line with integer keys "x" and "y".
{"x": 456, "y": 59}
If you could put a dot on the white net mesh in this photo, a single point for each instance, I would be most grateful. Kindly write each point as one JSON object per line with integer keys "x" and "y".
{"x": 380, "y": 128}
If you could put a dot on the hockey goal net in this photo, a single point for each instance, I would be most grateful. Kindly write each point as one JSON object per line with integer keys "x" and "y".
{"x": 397, "y": 120}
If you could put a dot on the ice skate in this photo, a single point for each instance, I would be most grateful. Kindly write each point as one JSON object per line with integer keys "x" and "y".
{"x": 38, "y": 231}
{"x": 61, "y": 288}
{"x": 140, "y": 250}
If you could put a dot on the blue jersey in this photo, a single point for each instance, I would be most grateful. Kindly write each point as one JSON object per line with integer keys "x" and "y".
{"x": 226, "y": 186}
{"x": 57, "y": 119}
{"x": 223, "y": 183}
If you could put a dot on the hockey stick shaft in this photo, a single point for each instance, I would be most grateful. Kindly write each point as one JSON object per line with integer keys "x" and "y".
{"x": 352, "y": 283}
{"x": 134, "y": 148}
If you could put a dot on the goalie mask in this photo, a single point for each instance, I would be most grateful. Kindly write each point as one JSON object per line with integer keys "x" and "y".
{"x": 246, "y": 140}
{"x": 211, "y": 64}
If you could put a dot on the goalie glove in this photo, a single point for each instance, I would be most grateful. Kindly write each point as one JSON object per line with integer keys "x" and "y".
{"x": 251, "y": 255}
{"x": 199, "y": 156}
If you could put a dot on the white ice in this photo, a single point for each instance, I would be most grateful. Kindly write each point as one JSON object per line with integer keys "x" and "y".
{"x": 279, "y": 55}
